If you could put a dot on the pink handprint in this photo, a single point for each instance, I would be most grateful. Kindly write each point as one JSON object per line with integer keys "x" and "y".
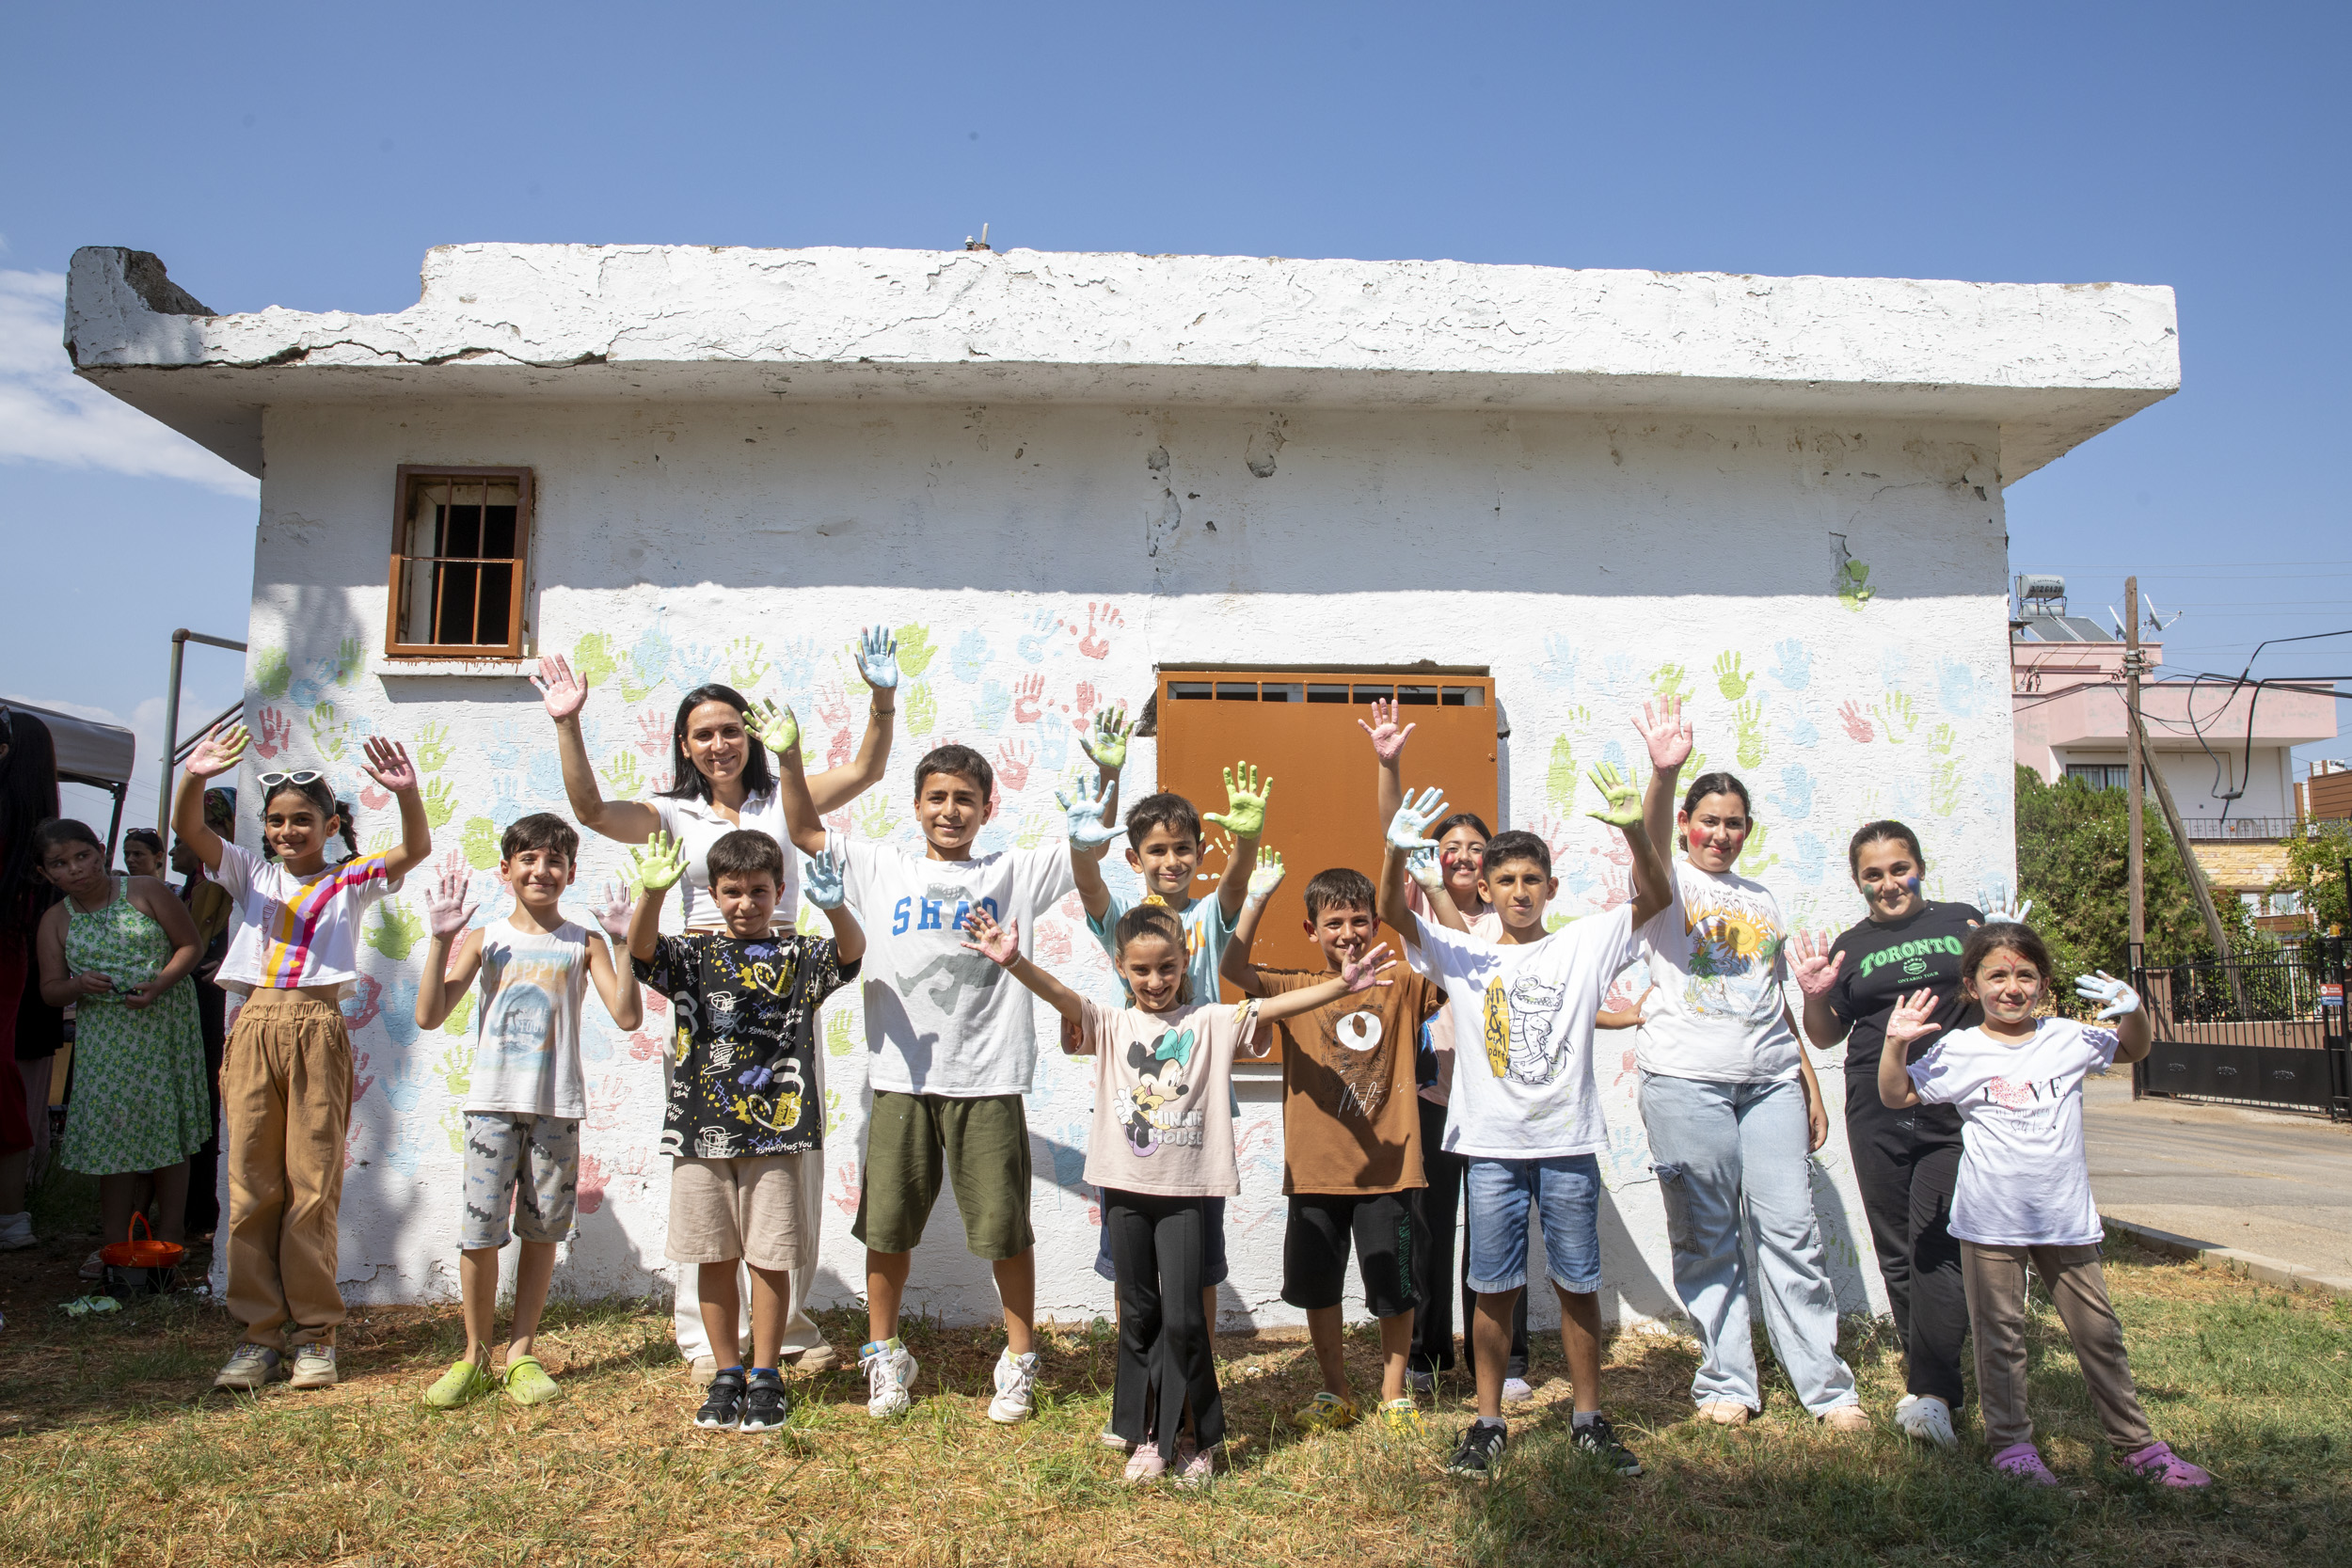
{"x": 832, "y": 710}
{"x": 1028, "y": 695}
{"x": 365, "y": 1000}
{"x": 374, "y": 799}
{"x": 1554, "y": 834}
{"x": 593, "y": 1182}
{"x": 845, "y": 1198}
{"x": 360, "y": 1077}
{"x": 1087, "y": 700}
{"x": 1100, "y": 618}
{"x": 1052, "y": 944}
{"x": 838, "y": 750}
{"x": 655, "y": 1001}
{"x": 1012, "y": 766}
{"x": 1857, "y": 722}
{"x": 653, "y": 732}
{"x": 838, "y": 822}
{"x": 643, "y": 1047}
{"x": 271, "y": 736}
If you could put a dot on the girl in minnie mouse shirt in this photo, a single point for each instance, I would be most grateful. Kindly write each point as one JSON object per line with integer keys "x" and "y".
{"x": 1161, "y": 1146}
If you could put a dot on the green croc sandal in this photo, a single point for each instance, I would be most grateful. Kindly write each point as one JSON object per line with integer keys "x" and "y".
{"x": 464, "y": 1381}
{"x": 526, "y": 1382}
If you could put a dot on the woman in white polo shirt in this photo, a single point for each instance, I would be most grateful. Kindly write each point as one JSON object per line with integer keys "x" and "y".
{"x": 721, "y": 781}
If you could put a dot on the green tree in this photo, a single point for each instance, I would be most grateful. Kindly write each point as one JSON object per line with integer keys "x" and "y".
{"x": 2073, "y": 861}
{"x": 2315, "y": 870}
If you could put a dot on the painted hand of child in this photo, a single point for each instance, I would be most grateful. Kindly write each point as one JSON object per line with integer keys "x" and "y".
{"x": 821, "y": 880}
{"x": 878, "y": 658}
{"x": 388, "y": 764}
{"x": 1665, "y": 732}
{"x": 1423, "y": 867}
{"x": 564, "y": 692}
{"x": 2099, "y": 986}
{"x": 612, "y": 912}
{"x": 998, "y": 944}
{"x": 1368, "y": 969}
{"x": 448, "y": 910}
{"x": 1087, "y": 831}
{"x": 1105, "y": 738}
{"x": 776, "y": 728}
{"x": 658, "y": 863}
{"x": 1245, "y": 802}
{"x": 1266, "y": 878}
{"x": 1621, "y": 802}
{"x": 1408, "y": 830}
{"x": 1812, "y": 964}
{"x": 1998, "y": 909}
{"x": 219, "y": 751}
{"x": 1388, "y": 741}
{"x": 1913, "y": 1019}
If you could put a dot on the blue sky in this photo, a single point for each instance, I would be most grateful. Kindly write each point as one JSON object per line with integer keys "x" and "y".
{"x": 307, "y": 156}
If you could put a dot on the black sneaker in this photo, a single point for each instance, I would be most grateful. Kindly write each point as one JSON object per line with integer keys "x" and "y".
{"x": 1482, "y": 1445}
{"x": 764, "y": 1406}
{"x": 1599, "y": 1439}
{"x": 723, "y": 1407}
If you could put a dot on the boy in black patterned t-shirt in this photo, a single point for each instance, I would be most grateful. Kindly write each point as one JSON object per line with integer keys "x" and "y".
{"x": 745, "y": 1128}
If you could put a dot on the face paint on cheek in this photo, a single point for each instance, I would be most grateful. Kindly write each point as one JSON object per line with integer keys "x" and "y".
{"x": 1911, "y": 884}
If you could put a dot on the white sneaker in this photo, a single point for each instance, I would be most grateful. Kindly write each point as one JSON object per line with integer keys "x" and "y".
{"x": 250, "y": 1366}
{"x": 1016, "y": 1389}
{"x": 1927, "y": 1418}
{"x": 889, "y": 1374}
{"x": 16, "y": 1232}
{"x": 1516, "y": 1391}
{"x": 313, "y": 1366}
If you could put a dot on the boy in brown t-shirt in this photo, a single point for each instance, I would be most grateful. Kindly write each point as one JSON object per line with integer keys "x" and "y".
{"x": 1351, "y": 1137}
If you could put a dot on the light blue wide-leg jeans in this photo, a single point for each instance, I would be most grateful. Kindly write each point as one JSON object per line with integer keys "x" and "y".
{"x": 1719, "y": 1148}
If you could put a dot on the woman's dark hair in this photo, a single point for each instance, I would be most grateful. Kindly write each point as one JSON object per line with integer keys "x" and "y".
{"x": 1877, "y": 833}
{"x": 2004, "y": 936}
{"x": 1155, "y": 920}
{"x": 1716, "y": 784}
{"x": 64, "y": 830}
{"x": 149, "y": 837}
{"x": 686, "y": 780}
{"x": 28, "y": 797}
{"x": 1461, "y": 819}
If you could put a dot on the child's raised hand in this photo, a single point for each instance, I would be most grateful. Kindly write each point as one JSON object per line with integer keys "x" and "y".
{"x": 564, "y": 692}
{"x": 1665, "y": 732}
{"x": 1366, "y": 969}
{"x": 612, "y": 912}
{"x": 448, "y": 908}
{"x": 821, "y": 880}
{"x": 2099, "y": 986}
{"x": 1105, "y": 738}
{"x": 1621, "y": 803}
{"x": 220, "y": 751}
{"x": 1913, "y": 1019}
{"x": 1999, "y": 910}
{"x": 1087, "y": 831}
{"x": 1424, "y": 867}
{"x": 878, "y": 657}
{"x": 1266, "y": 878}
{"x": 388, "y": 764}
{"x": 1388, "y": 741}
{"x": 775, "y": 727}
{"x": 998, "y": 944}
{"x": 1245, "y": 810}
{"x": 1409, "y": 828}
{"x": 656, "y": 866}
{"x": 1812, "y": 964}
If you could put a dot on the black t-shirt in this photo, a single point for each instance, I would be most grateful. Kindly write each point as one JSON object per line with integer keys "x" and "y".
{"x": 746, "y": 1008}
{"x": 1891, "y": 960}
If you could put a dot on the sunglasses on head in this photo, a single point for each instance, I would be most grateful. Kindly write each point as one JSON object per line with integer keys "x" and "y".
{"x": 298, "y": 778}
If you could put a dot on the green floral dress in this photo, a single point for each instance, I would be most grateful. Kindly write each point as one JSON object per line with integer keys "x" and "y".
{"x": 140, "y": 1101}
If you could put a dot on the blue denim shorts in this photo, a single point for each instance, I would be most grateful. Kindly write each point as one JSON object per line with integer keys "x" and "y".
{"x": 1565, "y": 1194}
{"x": 1213, "y": 1266}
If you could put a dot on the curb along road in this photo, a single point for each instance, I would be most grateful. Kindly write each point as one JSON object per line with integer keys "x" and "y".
{"x": 2252, "y": 1265}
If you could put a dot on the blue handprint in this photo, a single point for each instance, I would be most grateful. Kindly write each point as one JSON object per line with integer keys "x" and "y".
{"x": 1795, "y": 800}
{"x": 505, "y": 799}
{"x": 504, "y": 746}
{"x": 405, "y": 1142}
{"x": 1053, "y": 744}
{"x": 400, "y": 1013}
{"x": 795, "y": 662}
{"x": 695, "y": 664}
{"x": 970, "y": 657}
{"x": 1797, "y": 728}
{"x": 1558, "y": 670}
{"x": 1616, "y": 674}
{"x": 306, "y": 694}
{"x": 990, "y": 707}
{"x": 1805, "y": 857}
{"x": 1958, "y": 683}
{"x": 401, "y": 1079}
{"x": 544, "y": 775}
{"x": 1042, "y": 623}
{"x": 1908, "y": 801}
{"x": 595, "y": 1039}
{"x": 1577, "y": 877}
{"x": 1893, "y": 665}
{"x": 1793, "y": 664}
{"x": 1614, "y": 754}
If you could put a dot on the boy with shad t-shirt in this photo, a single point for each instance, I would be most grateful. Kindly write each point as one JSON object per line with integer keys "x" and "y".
{"x": 1523, "y": 1110}
{"x": 953, "y": 1045}
{"x": 1351, "y": 1138}
{"x": 525, "y": 1095}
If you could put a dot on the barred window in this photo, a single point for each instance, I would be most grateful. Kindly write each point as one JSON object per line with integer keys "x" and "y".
{"x": 461, "y": 543}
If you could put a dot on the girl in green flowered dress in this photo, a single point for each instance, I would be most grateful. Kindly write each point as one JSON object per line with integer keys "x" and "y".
{"x": 119, "y": 950}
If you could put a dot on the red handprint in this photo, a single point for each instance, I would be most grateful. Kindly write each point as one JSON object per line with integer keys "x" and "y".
{"x": 271, "y": 738}
{"x": 1554, "y": 834}
{"x": 1028, "y": 696}
{"x": 852, "y": 1189}
{"x": 374, "y": 799}
{"x": 358, "y": 1083}
{"x": 653, "y": 732}
{"x": 655, "y": 1001}
{"x": 1012, "y": 766}
{"x": 605, "y": 1102}
{"x": 365, "y": 1000}
{"x": 838, "y": 749}
{"x": 1086, "y": 701}
{"x": 838, "y": 822}
{"x": 832, "y": 710}
{"x": 592, "y": 1183}
{"x": 1052, "y": 944}
{"x": 1103, "y": 617}
{"x": 1857, "y": 722}
{"x": 643, "y": 1047}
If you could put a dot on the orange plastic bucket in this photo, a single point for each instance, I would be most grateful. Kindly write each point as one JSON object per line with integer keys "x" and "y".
{"x": 138, "y": 1264}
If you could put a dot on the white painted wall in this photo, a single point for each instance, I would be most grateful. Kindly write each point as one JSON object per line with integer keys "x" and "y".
{"x": 1039, "y": 559}
{"x": 2193, "y": 776}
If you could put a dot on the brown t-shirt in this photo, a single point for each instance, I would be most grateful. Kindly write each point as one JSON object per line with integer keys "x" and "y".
{"x": 1350, "y": 1120}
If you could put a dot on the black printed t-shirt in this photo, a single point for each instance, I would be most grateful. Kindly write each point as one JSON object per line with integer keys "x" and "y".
{"x": 1884, "y": 961}
{"x": 746, "y": 1012}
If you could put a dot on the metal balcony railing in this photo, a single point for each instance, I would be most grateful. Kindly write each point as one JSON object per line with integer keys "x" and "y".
{"x": 2250, "y": 828}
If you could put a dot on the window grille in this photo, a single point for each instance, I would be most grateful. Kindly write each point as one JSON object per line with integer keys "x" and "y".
{"x": 461, "y": 541}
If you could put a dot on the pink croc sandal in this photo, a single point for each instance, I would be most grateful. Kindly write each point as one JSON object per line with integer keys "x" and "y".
{"x": 2022, "y": 1462}
{"x": 2158, "y": 1462}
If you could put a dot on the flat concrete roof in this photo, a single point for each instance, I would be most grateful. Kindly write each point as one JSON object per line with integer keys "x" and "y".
{"x": 2051, "y": 364}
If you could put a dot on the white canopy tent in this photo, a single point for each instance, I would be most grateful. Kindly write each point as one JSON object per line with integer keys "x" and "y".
{"x": 88, "y": 752}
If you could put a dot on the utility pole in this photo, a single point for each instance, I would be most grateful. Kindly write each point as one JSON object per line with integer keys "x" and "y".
{"x": 2188, "y": 863}
{"x": 2135, "y": 771}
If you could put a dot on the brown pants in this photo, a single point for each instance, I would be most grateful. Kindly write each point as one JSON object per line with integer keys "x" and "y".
{"x": 1996, "y": 1280}
{"x": 285, "y": 1089}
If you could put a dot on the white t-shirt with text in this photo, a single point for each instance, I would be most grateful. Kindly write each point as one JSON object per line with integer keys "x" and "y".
{"x": 2024, "y": 1179}
{"x": 1715, "y": 956}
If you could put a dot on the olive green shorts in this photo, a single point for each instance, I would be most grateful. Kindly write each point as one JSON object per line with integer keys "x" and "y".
{"x": 981, "y": 1145}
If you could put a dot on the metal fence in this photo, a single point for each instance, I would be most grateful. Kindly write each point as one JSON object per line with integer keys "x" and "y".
{"x": 2269, "y": 1033}
{"x": 2248, "y": 828}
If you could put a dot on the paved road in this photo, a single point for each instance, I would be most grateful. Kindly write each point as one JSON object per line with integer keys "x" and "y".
{"x": 2258, "y": 1181}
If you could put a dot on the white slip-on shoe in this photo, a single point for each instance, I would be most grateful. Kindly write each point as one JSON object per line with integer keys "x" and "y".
{"x": 1927, "y": 1418}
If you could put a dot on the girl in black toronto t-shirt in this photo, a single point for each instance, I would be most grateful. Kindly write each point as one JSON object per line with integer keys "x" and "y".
{"x": 1905, "y": 1161}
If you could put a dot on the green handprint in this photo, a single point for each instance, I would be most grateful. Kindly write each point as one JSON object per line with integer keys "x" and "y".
{"x": 441, "y": 801}
{"x": 915, "y": 650}
{"x": 1560, "y": 779}
{"x": 593, "y": 659}
{"x": 1944, "y": 775}
{"x": 622, "y": 775}
{"x": 840, "y": 1033}
{"x": 460, "y": 1020}
{"x": 809, "y": 923}
{"x": 1895, "y": 710}
{"x": 872, "y": 817}
{"x": 1748, "y": 722}
{"x": 1245, "y": 802}
{"x": 457, "y": 1070}
{"x": 1671, "y": 680}
{"x": 348, "y": 659}
{"x": 327, "y": 732}
{"x": 272, "y": 674}
{"x": 1853, "y": 590}
{"x": 454, "y": 1128}
{"x": 382, "y": 840}
{"x": 479, "y": 843}
{"x": 431, "y": 753}
{"x": 395, "y": 931}
{"x": 1621, "y": 803}
{"x": 1943, "y": 738}
{"x": 832, "y": 1112}
{"x": 1752, "y": 860}
{"x": 1035, "y": 827}
{"x": 922, "y": 707}
{"x": 746, "y": 663}
{"x": 1732, "y": 681}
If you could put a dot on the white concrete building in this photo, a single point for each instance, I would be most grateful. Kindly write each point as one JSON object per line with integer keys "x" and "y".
{"x": 1067, "y": 479}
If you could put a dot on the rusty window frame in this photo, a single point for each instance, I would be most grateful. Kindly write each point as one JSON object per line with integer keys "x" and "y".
{"x": 452, "y": 570}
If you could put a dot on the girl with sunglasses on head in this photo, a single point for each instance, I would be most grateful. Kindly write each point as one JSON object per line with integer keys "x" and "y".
{"x": 286, "y": 1076}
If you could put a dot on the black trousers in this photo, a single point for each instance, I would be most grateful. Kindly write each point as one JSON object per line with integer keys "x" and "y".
{"x": 1906, "y": 1162}
{"x": 1164, "y": 1358}
{"x": 1434, "y": 1273}
{"x": 202, "y": 1214}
